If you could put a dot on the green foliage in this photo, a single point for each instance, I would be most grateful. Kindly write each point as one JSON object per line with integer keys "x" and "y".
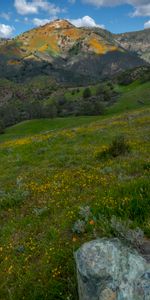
{"x": 129, "y": 76}
{"x": 119, "y": 146}
{"x": 13, "y": 199}
{"x": 43, "y": 98}
{"x": 123, "y": 230}
{"x": 145, "y": 76}
{"x": 79, "y": 226}
{"x": 1, "y": 127}
{"x": 60, "y": 186}
{"x": 135, "y": 95}
{"x": 87, "y": 93}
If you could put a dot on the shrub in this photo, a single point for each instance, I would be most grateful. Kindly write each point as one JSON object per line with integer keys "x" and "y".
{"x": 119, "y": 146}
{"x": 85, "y": 212}
{"x": 1, "y": 127}
{"x": 79, "y": 226}
{"x": 87, "y": 93}
{"x": 16, "y": 198}
{"x": 73, "y": 92}
{"x": 122, "y": 230}
{"x": 86, "y": 221}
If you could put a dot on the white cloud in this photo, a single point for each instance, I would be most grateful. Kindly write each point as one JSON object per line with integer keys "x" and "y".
{"x": 40, "y": 22}
{"x": 72, "y": 1}
{"x": 81, "y": 22}
{"x": 142, "y": 10}
{"x": 99, "y": 3}
{"x": 26, "y": 20}
{"x": 5, "y": 16}
{"x": 142, "y": 7}
{"x": 147, "y": 24}
{"x": 85, "y": 22}
{"x": 24, "y": 7}
{"x": 6, "y": 31}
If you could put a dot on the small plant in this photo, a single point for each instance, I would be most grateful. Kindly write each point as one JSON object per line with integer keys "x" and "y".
{"x": 122, "y": 230}
{"x": 79, "y": 227}
{"x": 85, "y": 212}
{"x": 9, "y": 200}
{"x": 119, "y": 146}
{"x": 14, "y": 198}
{"x": 40, "y": 211}
{"x": 82, "y": 225}
{"x": 146, "y": 166}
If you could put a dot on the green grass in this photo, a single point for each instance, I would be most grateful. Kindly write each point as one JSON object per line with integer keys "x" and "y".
{"x": 135, "y": 95}
{"x": 73, "y": 96}
{"x": 48, "y": 170}
{"x": 44, "y": 125}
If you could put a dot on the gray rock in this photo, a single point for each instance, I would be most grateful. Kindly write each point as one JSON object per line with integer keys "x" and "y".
{"x": 109, "y": 270}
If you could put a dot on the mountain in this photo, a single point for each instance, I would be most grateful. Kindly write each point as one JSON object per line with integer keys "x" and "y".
{"x": 66, "y": 53}
{"x": 136, "y": 42}
{"x": 3, "y": 41}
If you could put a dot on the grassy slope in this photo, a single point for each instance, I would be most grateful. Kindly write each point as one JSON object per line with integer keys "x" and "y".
{"x": 45, "y": 178}
{"x": 43, "y": 125}
{"x": 133, "y": 96}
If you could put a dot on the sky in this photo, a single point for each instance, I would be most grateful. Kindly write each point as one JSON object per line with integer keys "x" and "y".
{"x": 117, "y": 16}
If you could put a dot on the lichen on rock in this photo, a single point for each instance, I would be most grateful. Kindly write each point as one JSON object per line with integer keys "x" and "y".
{"x": 109, "y": 270}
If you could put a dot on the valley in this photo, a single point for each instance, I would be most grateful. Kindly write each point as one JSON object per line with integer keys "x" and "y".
{"x": 74, "y": 152}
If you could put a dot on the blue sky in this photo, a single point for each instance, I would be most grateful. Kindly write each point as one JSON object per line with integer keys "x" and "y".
{"x": 17, "y": 16}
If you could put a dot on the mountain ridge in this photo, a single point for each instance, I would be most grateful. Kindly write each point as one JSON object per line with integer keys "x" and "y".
{"x": 136, "y": 42}
{"x": 67, "y": 53}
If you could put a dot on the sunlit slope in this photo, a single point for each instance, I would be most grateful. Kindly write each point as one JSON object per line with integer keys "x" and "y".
{"x": 135, "y": 95}
{"x": 46, "y": 177}
{"x": 65, "y": 52}
{"x": 57, "y": 39}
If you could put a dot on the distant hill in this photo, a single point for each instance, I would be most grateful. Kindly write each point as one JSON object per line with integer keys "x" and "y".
{"x": 66, "y": 53}
{"x": 136, "y": 42}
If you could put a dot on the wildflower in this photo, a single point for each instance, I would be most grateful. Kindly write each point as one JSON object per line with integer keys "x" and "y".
{"x": 92, "y": 222}
{"x": 10, "y": 269}
{"x": 74, "y": 239}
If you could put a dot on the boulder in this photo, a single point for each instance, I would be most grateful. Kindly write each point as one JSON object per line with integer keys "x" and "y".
{"x": 107, "y": 269}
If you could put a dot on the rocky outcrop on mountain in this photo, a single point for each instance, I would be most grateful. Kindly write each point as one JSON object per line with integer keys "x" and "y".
{"x": 109, "y": 270}
{"x": 136, "y": 42}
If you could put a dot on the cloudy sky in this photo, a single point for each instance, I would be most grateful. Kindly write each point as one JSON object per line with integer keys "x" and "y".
{"x": 17, "y": 16}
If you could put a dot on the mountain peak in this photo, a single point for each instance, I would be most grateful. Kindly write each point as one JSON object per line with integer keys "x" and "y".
{"x": 59, "y": 24}
{"x": 59, "y": 47}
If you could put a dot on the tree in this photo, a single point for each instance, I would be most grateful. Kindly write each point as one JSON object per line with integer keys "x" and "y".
{"x": 1, "y": 127}
{"x": 87, "y": 93}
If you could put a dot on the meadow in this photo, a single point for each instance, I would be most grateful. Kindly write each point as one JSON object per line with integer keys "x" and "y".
{"x": 59, "y": 189}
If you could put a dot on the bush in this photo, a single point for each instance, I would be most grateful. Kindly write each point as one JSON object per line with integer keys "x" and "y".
{"x": 73, "y": 92}
{"x": 119, "y": 146}
{"x": 1, "y": 127}
{"x": 122, "y": 230}
{"x": 87, "y": 93}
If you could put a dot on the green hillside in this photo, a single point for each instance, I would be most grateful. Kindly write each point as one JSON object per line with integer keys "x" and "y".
{"x": 49, "y": 170}
{"x": 44, "y": 125}
{"x": 132, "y": 96}
{"x": 43, "y": 98}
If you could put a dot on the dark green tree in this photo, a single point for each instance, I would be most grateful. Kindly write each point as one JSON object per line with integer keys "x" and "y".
{"x": 1, "y": 127}
{"x": 87, "y": 93}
